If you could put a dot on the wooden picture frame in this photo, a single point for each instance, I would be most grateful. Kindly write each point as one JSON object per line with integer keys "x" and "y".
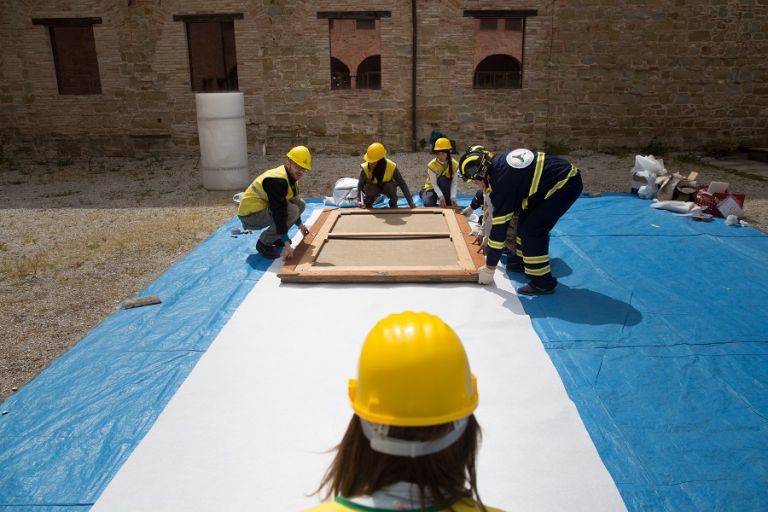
{"x": 386, "y": 245}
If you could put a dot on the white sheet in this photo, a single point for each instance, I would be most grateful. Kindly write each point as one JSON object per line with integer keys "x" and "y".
{"x": 251, "y": 426}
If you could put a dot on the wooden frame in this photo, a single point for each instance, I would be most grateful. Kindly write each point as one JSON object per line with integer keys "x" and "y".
{"x": 386, "y": 245}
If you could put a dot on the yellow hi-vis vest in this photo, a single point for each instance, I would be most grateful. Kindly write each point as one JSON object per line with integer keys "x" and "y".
{"x": 336, "y": 506}
{"x": 255, "y": 198}
{"x": 440, "y": 170}
{"x": 389, "y": 171}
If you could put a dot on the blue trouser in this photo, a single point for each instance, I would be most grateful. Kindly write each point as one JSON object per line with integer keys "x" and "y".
{"x": 533, "y": 231}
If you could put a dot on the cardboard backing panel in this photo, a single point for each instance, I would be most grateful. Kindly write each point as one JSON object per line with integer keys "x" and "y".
{"x": 385, "y": 245}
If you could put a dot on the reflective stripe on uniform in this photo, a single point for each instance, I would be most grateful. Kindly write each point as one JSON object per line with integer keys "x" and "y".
{"x": 536, "y": 259}
{"x": 493, "y": 244}
{"x": 540, "y": 157}
{"x": 573, "y": 172}
{"x": 538, "y": 271}
{"x": 502, "y": 219}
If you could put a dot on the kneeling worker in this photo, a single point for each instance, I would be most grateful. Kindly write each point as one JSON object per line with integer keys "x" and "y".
{"x": 379, "y": 175}
{"x": 413, "y": 440}
{"x": 273, "y": 200}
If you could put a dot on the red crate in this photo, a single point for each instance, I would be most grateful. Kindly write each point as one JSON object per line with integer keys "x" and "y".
{"x": 710, "y": 200}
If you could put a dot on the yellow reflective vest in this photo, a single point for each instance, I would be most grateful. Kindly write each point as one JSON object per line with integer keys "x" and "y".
{"x": 255, "y": 198}
{"x": 337, "y": 506}
{"x": 389, "y": 172}
{"x": 440, "y": 170}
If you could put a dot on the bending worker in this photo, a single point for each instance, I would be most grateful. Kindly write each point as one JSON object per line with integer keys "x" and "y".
{"x": 379, "y": 175}
{"x": 272, "y": 201}
{"x": 412, "y": 442}
{"x": 538, "y": 187}
{"x": 442, "y": 176}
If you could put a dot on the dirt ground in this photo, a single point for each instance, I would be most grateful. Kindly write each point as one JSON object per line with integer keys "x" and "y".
{"x": 79, "y": 237}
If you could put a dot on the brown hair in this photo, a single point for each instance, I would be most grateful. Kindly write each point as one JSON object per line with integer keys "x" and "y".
{"x": 446, "y": 476}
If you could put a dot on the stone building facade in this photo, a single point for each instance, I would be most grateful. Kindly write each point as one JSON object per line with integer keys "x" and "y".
{"x": 596, "y": 74}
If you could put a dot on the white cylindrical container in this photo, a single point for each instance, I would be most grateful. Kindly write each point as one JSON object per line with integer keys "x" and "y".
{"x": 223, "y": 147}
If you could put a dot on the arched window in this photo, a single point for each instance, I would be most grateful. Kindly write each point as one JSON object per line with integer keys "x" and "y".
{"x": 369, "y": 73}
{"x": 339, "y": 74}
{"x": 498, "y": 72}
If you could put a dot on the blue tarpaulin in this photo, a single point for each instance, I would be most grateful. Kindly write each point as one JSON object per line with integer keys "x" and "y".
{"x": 658, "y": 331}
{"x": 70, "y": 429}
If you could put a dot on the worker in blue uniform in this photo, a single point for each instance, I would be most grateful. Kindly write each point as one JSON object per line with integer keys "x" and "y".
{"x": 538, "y": 187}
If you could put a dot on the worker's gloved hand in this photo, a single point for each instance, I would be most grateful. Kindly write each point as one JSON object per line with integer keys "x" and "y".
{"x": 485, "y": 274}
{"x": 411, "y": 204}
{"x": 287, "y": 251}
{"x": 442, "y": 202}
{"x": 467, "y": 211}
{"x": 304, "y": 230}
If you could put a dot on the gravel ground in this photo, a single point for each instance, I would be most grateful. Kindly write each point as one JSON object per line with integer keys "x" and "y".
{"x": 78, "y": 237}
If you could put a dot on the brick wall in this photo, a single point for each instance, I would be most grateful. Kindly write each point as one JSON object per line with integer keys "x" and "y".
{"x": 597, "y": 74}
{"x": 352, "y": 46}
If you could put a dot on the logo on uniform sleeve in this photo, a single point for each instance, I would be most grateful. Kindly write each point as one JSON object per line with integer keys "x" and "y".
{"x": 520, "y": 158}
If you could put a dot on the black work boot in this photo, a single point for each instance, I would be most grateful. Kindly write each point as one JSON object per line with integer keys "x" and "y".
{"x": 539, "y": 287}
{"x": 269, "y": 252}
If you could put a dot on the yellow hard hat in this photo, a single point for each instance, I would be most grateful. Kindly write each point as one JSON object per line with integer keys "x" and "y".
{"x": 376, "y": 152}
{"x": 300, "y": 156}
{"x": 442, "y": 144}
{"x": 413, "y": 372}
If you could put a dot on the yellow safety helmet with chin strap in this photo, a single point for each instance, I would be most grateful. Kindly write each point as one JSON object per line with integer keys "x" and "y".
{"x": 375, "y": 152}
{"x": 413, "y": 372}
{"x": 300, "y": 156}
{"x": 442, "y": 144}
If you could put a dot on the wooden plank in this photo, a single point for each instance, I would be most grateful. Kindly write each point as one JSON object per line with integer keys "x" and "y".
{"x": 475, "y": 252}
{"x": 316, "y": 245}
{"x": 306, "y": 246}
{"x": 465, "y": 259}
{"x": 396, "y": 234}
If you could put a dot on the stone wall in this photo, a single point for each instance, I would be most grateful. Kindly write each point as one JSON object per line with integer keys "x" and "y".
{"x": 597, "y": 74}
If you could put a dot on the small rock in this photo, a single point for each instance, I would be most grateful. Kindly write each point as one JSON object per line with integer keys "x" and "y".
{"x": 5, "y": 412}
{"x": 14, "y": 389}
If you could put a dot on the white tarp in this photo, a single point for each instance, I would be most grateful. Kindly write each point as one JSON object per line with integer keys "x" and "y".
{"x": 252, "y": 426}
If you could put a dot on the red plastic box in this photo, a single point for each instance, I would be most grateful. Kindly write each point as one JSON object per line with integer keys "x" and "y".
{"x": 710, "y": 200}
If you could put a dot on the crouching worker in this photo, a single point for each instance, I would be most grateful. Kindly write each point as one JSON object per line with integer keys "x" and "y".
{"x": 442, "y": 176}
{"x": 412, "y": 442}
{"x": 539, "y": 188}
{"x": 379, "y": 175}
{"x": 272, "y": 201}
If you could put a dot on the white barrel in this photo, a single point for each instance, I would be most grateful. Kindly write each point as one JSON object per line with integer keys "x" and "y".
{"x": 223, "y": 146}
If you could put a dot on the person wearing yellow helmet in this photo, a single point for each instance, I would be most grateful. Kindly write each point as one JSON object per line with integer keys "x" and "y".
{"x": 539, "y": 189}
{"x": 442, "y": 176}
{"x": 379, "y": 175}
{"x": 272, "y": 201}
{"x": 413, "y": 439}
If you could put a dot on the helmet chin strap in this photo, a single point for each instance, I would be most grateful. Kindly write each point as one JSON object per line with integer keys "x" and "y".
{"x": 378, "y": 435}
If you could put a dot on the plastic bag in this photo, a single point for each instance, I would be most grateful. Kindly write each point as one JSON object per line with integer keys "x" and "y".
{"x": 644, "y": 173}
{"x": 344, "y": 193}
